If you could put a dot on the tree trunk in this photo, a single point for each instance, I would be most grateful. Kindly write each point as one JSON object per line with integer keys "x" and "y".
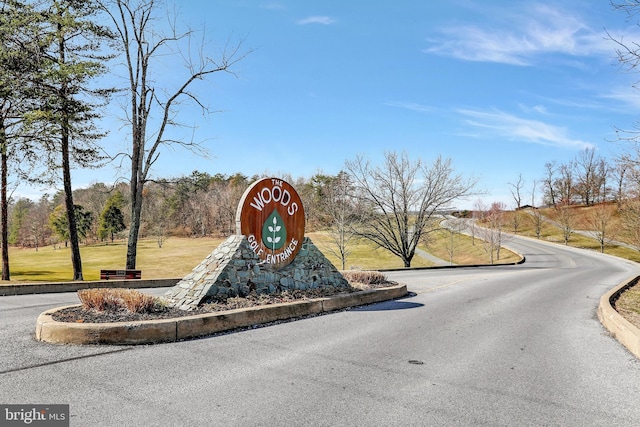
{"x": 407, "y": 259}
{"x": 137, "y": 176}
{"x": 134, "y": 229}
{"x": 65, "y": 127}
{"x": 4, "y": 207}
{"x": 68, "y": 201}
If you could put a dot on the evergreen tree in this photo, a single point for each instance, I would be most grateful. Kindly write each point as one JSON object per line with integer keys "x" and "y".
{"x": 19, "y": 215}
{"x": 112, "y": 218}
{"x": 69, "y": 108}
{"x": 58, "y": 222}
{"x": 19, "y": 53}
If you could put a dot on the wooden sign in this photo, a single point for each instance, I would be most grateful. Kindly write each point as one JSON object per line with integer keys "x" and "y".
{"x": 271, "y": 216}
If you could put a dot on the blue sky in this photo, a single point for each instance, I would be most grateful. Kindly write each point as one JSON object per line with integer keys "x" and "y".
{"x": 500, "y": 87}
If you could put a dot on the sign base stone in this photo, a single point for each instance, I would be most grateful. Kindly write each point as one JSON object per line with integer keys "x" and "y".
{"x": 233, "y": 269}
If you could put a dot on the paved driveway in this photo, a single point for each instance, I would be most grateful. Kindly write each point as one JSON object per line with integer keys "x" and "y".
{"x": 513, "y": 345}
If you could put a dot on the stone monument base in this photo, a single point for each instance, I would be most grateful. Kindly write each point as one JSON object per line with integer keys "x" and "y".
{"x": 233, "y": 269}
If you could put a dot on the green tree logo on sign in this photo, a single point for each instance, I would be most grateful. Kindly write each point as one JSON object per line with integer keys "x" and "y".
{"x": 274, "y": 233}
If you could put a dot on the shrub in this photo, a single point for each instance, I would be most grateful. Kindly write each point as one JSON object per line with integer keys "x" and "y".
{"x": 364, "y": 277}
{"x": 110, "y": 299}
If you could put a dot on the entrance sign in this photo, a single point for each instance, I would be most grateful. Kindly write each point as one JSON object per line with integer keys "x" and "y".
{"x": 271, "y": 216}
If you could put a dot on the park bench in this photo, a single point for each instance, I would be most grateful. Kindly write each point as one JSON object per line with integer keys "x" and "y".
{"x": 120, "y": 274}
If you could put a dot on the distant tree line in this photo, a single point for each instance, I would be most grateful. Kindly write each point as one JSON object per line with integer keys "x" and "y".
{"x": 587, "y": 179}
{"x": 392, "y": 205}
{"x": 197, "y": 205}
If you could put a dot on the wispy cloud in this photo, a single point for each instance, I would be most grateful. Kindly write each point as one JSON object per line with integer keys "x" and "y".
{"x": 323, "y": 20}
{"x": 625, "y": 99}
{"x": 411, "y": 106}
{"x": 540, "y": 30}
{"x": 511, "y": 127}
{"x": 272, "y": 6}
{"x": 537, "y": 109}
{"x": 620, "y": 99}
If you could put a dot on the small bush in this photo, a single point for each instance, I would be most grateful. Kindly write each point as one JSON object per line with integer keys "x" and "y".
{"x": 364, "y": 277}
{"x": 110, "y": 299}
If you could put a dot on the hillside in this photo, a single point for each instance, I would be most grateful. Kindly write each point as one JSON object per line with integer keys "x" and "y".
{"x": 584, "y": 221}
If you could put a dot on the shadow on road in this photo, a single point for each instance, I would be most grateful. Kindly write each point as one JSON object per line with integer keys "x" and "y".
{"x": 398, "y": 304}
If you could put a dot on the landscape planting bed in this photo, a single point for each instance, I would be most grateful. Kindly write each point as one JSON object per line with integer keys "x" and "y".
{"x": 192, "y": 326}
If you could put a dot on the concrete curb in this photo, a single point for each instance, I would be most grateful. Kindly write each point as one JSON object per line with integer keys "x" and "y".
{"x": 522, "y": 260}
{"x": 624, "y": 331}
{"x": 170, "y": 330}
{"x": 50, "y": 288}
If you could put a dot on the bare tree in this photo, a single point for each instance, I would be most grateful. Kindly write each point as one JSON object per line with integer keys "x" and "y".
{"x": 492, "y": 231}
{"x": 621, "y": 172}
{"x": 479, "y": 210}
{"x": 536, "y": 216}
{"x": 142, "y": 48}
{"x": 516, "y": 220}
{"x": 405, "y": 195}
{"x": 599, "y": 222}
{"x": 588, "y": 180}
{"x": 455, "y": 227}
{"x": 603, "y": 171}
{"x": 628, "y": 54}
{"x": 565, "y": 183}
{"x": 38, "y": 221}
{"x": 565, "y": 217}
{"x": 345, "y": 213}
{"x": 156, "y": 209}
{"x": 516, "y": 191}
{"x": 550, "y": 181}
{"x": 630, "y": 221}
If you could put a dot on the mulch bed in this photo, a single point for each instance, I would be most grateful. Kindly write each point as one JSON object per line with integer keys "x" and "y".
{"x": 82, "y": 315}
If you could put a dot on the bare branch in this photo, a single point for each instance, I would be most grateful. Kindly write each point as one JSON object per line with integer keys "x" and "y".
{"x": 404, "y": 195}
{"x": 142, "y": 45}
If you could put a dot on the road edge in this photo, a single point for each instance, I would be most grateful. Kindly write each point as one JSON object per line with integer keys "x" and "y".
{"x": 15, "y": 289}
{"x": 622, "y": 330}
{"x": 201, "y": 325}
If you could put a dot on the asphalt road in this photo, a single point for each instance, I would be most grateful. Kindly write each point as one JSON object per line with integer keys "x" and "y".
{"x": 517, "y": 346}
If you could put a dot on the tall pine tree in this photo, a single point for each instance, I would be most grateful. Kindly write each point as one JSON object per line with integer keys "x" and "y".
{"x": 20, "y": 50}
{"x": 69, "y": 104}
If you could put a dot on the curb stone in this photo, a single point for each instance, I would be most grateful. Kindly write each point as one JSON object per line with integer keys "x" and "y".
{"x": 181, "y": 328}
{"x": 623, "y": 330}
{"x": 60, "y": 287}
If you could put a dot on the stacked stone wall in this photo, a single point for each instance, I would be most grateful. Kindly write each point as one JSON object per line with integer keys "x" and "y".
{"x": 233, "y": 269}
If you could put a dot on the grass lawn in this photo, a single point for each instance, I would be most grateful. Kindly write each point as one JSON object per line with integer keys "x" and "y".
{"x": 364, "y": 255}
{"x": 466, "y": 250}
{"x": 179, "y": 256}
{"x": 176, "y": 258}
